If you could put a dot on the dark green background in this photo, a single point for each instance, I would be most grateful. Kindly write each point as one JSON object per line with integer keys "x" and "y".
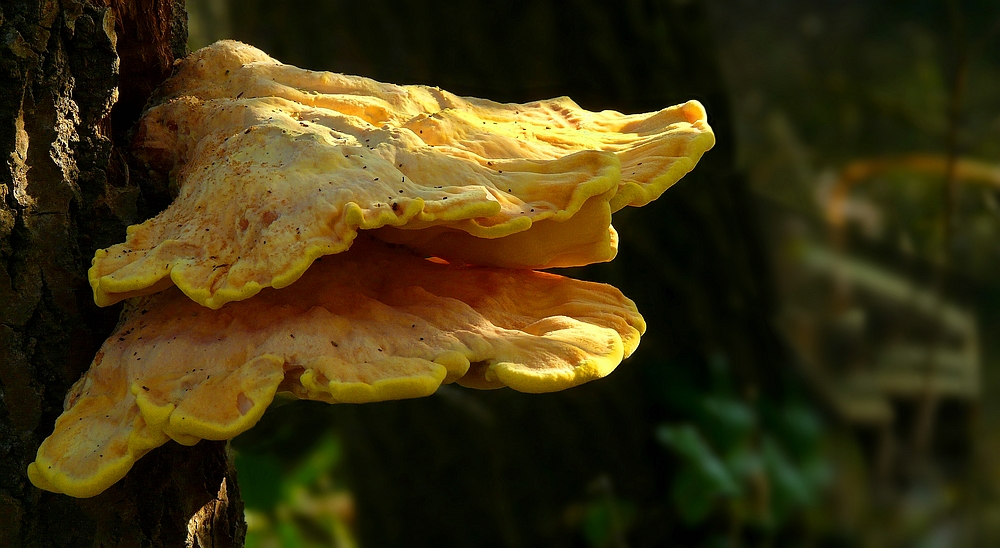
{"x": 711, "y": 434}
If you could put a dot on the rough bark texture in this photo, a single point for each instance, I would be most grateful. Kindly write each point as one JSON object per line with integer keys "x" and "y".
{"x": 74, "y": 76}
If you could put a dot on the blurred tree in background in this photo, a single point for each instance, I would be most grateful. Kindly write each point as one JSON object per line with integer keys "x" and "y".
{"x": 871, "y": 136}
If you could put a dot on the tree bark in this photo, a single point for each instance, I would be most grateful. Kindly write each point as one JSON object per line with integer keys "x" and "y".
{"x": 74, "y": 77}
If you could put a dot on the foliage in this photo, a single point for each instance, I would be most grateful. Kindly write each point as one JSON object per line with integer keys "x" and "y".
{"x": 756, "y": 464}
{"x": 294, "y": 499}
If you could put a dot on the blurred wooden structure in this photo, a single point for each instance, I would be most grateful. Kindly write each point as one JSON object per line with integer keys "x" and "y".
{"x": 872, "y": 340}
{"x": 933, "y": 347}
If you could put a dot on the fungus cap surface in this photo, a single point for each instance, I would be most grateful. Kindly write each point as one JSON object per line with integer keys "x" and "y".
{"x": 373, "y": 323}
{"x": 276, "y": 166}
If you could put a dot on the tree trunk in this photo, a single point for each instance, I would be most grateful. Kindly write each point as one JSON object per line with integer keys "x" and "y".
{"x": 74, "y": 77}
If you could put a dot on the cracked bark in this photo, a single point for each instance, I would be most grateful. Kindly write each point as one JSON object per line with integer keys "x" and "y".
{"x": 74, "y": 76}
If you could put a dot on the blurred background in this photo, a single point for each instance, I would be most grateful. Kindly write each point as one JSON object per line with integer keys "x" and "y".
{"x": 822, "y": 293}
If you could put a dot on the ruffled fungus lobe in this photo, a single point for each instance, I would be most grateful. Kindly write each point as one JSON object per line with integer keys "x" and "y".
{"x": 276, "y": 166}
{"x": 374, "y": 323}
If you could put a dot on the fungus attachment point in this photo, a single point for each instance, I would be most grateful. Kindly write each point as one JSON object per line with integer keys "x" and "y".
{"x": 263, "y": 196}
{"x": 377, "y": 323}
{"x": 266, "y": 203}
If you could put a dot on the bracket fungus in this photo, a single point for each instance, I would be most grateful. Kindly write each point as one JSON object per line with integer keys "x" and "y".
{"x": 349, "y": 241}
{"x": 276, "y": 166}
{"x": 377, "y": 323}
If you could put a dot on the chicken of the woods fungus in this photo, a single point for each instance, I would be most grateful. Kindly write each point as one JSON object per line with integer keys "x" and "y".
{"x": 344, "y": 240}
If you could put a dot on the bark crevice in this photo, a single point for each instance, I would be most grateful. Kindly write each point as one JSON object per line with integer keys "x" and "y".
{"x": 65, "y": 191}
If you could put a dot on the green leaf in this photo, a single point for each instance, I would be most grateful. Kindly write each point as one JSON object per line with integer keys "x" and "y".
{"x": 688, "y": 443}
{"x": 260, "y": 480}
{"x": 606, "y": 520}
{"x": 702, "y": 479}
{"x": 321, "y": 460}
{"x": 789, "y": 489}
{"x": 744, "y": 463}
{"x": 804, "y": 430}
{"x": 692, "y": 495}
{"x": 289, "y": 535}
{"x": 727, "y": 422}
